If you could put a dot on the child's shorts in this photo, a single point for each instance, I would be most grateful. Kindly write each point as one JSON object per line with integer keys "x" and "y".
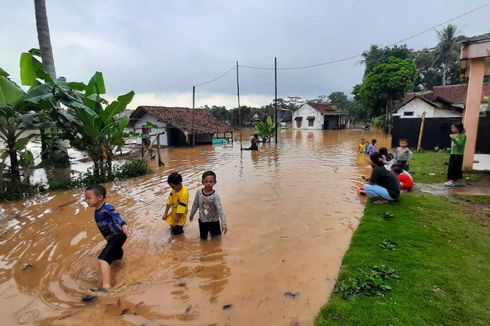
{"x": 113, "y": 249}
{"x": 176, "y": 230}
{"x": 209, "y": 227}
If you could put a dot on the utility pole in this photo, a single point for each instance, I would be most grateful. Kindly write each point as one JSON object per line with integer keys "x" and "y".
{"x": 193, "y": 114}
{"x": 275, "y": 94}
{"x": 239, "y": 109}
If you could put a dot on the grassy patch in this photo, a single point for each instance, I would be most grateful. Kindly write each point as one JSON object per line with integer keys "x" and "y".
{"x": 431, "y": 167}
{"x": 441, "y": 257}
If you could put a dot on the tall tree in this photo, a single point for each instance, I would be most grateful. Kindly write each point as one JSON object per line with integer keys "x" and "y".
{"x": 44, "y": 37}
{"x": 377, "y": 55}
{"x": 386, "y": 84}
{"x": 447, "y": 52}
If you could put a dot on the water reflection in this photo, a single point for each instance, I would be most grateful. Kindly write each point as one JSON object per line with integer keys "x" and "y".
{"x": 291, "y": 211}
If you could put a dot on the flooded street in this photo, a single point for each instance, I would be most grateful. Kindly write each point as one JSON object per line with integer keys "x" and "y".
{"x": 291, "y": 213}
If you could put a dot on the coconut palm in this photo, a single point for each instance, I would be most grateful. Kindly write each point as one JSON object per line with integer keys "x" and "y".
{"x": 44, "y": 38}
{"x": 447, "y": 50}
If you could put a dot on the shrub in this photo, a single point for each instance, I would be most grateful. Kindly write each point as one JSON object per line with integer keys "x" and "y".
{"x": 16, "y": 190}
{"x": 131, "y": 169}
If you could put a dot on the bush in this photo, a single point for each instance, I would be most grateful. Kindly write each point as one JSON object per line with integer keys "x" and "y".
{"x": 16, "y": 190}
{"x": 131, "y": 169}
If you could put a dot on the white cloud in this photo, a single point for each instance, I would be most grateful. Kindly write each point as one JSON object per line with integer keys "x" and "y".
{"x": 185, "y": 100}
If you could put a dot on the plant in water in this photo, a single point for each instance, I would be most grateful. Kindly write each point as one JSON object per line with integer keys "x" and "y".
{"x": 266, "y": 130}
{"x": 98, "y": 127}
{"x": 387, "y": 245}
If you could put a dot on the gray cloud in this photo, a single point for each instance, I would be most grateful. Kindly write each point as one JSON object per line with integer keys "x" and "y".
{"x": 164, "y": 47}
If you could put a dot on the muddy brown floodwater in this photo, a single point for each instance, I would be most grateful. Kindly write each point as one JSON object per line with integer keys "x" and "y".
{"x": 291, "y": 212}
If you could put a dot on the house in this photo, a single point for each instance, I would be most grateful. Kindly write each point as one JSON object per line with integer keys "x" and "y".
{"x": 441, "y": 102}
{"x": 175, "y": 126}
{"x": 319, "y": 116}
{"x": 443, "y": 106}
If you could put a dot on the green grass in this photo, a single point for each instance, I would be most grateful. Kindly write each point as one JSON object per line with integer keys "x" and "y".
{"x": 441, "y": 257}
{"x": 431, "y": 167}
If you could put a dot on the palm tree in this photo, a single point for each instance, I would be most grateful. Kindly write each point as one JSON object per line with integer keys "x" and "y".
{"x": 44, "y": 38}
{"x": 447, "y": 50}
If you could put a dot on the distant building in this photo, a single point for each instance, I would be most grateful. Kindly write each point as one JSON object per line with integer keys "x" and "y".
{"x": 319, "y": 116}
{"x": 176, "y": 125}
{"x": 441, "y": 102}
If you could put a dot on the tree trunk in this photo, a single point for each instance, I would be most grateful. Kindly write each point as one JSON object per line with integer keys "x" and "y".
{"x": 14, "y": 166}
{"x": 443, "y": 74}
{"x": 44, "y": 38}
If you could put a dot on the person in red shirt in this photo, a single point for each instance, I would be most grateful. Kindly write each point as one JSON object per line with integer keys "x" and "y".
{"x": 406, "y": 181}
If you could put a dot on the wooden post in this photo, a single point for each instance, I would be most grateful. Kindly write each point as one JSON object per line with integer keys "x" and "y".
{"x": 160, "y": 163}
{"x": 421, "y": 132}
{"x": 142, "y": 146}
{"x": 275, "y": 95}
{"x": 193, "y": 115}
{"x": 238, "y": 98}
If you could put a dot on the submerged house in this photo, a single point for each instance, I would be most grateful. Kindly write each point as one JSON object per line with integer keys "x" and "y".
{"x": 175, "y": 126}
{"x": 319, "y": 116}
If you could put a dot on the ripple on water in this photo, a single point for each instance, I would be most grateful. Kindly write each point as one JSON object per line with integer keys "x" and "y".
{"x": 289, "y": 208}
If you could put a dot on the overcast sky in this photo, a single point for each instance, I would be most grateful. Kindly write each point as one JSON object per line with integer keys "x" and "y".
{"x": 160, "y": 48}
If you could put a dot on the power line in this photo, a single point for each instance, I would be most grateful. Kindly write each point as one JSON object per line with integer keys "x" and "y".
{"x": 216, "y": 78}
{"x": 360, "y": 55}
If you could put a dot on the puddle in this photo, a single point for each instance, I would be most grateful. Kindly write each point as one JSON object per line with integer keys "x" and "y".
{"x": 291, "y": 213}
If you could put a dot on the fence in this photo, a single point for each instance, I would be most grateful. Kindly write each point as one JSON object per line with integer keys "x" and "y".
{"x": 436, "y": 132}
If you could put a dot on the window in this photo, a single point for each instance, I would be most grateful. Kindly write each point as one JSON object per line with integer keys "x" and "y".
{"x": 311, "y": 123}
{"x": 298, "y": 123}
{"x": 408, "y": 114}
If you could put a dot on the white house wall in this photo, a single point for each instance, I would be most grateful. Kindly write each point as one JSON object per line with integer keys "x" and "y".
{"x": 307, "y": 111}
{"x": 162, "y": 127}
{"x": 418, "y": 107}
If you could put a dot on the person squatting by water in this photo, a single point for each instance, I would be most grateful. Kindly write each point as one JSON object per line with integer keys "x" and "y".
{"x": 455, "y": 167}
{"x": 406, "y": 180}
{"x": 253, "y": 143}
{"x": 212, "y": 218}
{"x": 383, "y": 183}
{"x": 112, "y": 227}
{"x": 177, "y": 203}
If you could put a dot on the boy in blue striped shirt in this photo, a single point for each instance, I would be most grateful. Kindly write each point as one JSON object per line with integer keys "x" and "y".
{"x": 112, "y": 227}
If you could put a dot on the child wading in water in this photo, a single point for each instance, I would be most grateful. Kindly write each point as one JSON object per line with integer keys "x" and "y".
{"x": 362, "y": 146}
{"x": 371, "y": 148}
{"x": 212, "y": 218}
{"x": 113, "y": 229}
{"x": 455, "y": 168}
{"x": 177, "y": 203}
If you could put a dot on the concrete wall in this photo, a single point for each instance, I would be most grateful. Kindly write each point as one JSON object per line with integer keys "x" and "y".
{"x": 162, "y": 127}
{"x": 307, "y": 111}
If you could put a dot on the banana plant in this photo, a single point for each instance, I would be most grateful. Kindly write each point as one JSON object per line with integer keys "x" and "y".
{"x": 15, "y": 120}
{"x": 97, "y": 125}
{"x": 266, "y": 130}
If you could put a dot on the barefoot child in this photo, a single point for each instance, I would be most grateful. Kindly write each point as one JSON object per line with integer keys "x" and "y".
{"x": 371, "y": 148}
{"x": 113, "y": 229}
{"x": 177, "y": 203}
{"x": 212, "y": 218}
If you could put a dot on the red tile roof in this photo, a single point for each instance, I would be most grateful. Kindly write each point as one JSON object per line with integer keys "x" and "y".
{"x": 452, "y": 94}
{"x": 324, "y": 108}
{"x": 184, "y": 119}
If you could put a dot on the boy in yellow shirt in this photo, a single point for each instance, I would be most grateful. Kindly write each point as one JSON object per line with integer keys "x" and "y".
{"x": 177, "y": 201}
